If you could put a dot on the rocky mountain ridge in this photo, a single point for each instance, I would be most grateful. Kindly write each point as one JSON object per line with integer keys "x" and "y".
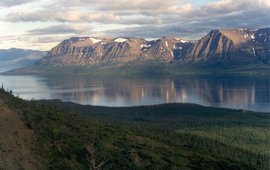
{"x": 89, "y": 51}
{"x": 224, "y": 46}
{"x": 234, "y": 46}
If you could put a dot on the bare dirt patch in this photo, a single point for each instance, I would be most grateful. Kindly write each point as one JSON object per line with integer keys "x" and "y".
{"x": 15, "y": 142}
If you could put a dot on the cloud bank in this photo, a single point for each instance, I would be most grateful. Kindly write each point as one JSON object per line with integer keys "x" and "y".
{"x": 140, "y": 18}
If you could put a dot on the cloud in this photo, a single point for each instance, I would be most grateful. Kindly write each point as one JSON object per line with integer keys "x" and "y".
{"x": 196, "y": 22}
{"x": 49, "y": 39}
{"x": 61, "y": 15}
{"x": 106, "y": 11}
{"x": 138, "y": 5}
{"x": 229, "y": 13}
{"x": 141, "y": 12}
{"x": 9, "y": 3}
{"x": 140, "y": 18}
{"x": 60, "y": 29}
{"x": 148, "y": 31}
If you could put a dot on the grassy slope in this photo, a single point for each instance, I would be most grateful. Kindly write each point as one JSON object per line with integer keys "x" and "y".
{"x": 173, "y": 136}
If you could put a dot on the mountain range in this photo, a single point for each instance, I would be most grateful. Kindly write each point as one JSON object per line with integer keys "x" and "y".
{"x": 16, "y": 58}
{"x": 89, "y": 51}
{"x": 222, "y": 47}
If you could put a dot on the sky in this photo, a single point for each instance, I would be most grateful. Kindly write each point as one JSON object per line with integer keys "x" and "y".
{"x": 42, "y": 24}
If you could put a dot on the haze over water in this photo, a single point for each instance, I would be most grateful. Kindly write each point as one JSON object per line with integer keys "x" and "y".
{"x": 234, "y": 92}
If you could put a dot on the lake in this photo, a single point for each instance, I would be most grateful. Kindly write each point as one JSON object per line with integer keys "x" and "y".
{"x": 227, "y": 92}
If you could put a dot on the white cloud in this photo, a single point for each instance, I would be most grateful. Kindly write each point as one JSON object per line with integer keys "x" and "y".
{"x": 9, "y": 3}
{"x": 152, "y": 18}
{"x": 78, "y": 29}
{"x": 138, "y": 5}
{"x": 61, "y": 15}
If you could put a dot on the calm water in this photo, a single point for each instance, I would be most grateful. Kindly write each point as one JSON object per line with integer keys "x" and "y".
{"x": 246, "y": 93}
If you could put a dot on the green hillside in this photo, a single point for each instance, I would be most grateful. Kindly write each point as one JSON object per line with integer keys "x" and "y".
{"x": 170, "y": 136}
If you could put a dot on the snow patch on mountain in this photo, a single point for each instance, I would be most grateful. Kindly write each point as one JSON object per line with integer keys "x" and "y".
{"x": 167, "y": 45}
{"x": 145, "y": 46}
{"x": 179, "y": 39}
{"x": 95, "y": 40}
{"x": 120, "y": 40}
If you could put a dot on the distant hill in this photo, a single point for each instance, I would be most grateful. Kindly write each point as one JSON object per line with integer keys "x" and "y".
{"x": 15, "y": 58}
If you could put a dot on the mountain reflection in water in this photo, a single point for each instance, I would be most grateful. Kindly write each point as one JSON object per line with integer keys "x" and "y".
{"x": 228, "y": 92}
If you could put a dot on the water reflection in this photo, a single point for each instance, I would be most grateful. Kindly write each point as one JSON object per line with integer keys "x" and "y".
{"x": 27, "y": 87}
{"x": 246, "y": 93}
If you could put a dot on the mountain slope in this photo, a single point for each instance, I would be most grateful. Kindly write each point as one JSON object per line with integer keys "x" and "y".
{"x": 231, "y": 47}
{"x": 16, "y": 58}
{"x": 89, "y": 51}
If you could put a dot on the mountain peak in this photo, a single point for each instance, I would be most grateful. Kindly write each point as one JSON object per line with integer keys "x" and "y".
{"x": 232, "y": 46}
